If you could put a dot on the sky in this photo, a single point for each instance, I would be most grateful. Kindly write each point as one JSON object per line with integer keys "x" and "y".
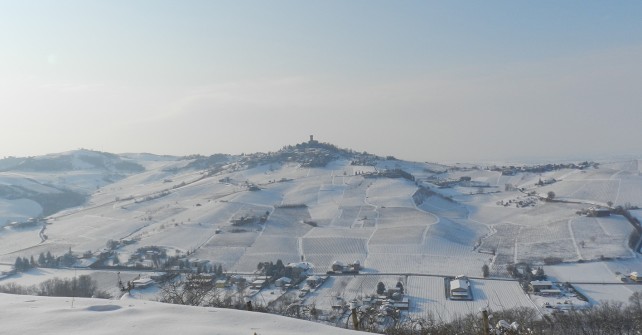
{"x": 438, "y": 81}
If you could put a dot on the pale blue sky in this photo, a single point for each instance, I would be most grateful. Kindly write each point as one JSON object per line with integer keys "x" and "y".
{"x": 422, "y": 80}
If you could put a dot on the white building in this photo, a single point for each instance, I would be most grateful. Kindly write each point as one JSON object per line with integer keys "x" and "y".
{"x": 459, "y": 289}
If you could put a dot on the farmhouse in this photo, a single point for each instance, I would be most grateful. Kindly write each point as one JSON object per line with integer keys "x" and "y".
{"x": 258, "y": 284}
{"x": 553, "y": 292}
{"x": 314, "y": 281}
{"x": 143, "y": 282}
{"x": 301, "y": 267}
{"x": 458, "y": 289}
{"x": 599, "y": 212}
{"x": 221, "y": 283}
{"x": 394, "y": 293}
{"x": 539, "y": 285}
{"x": 546, "y": 181}
{"x": 635, "y": 277}
{"x": 283, "y": 282}
{"x": 338, "y": 266}
{"x": 237, "y": 279}
{"x": 403, "y": 305}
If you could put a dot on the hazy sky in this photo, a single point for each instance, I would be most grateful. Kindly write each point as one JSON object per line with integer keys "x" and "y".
{"x": 421, "y": 80}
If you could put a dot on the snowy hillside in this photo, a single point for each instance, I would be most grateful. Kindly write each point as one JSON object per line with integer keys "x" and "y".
{"x": 40, "y": 315}
{"x": 402, "y": 222}
{"x": 41, "y": 186}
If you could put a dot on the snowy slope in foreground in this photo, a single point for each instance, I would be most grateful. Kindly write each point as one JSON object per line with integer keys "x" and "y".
{"x": 45, "y": 315}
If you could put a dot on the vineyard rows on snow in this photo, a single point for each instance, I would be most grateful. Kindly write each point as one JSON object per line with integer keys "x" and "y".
{"x": 334, "y": 245}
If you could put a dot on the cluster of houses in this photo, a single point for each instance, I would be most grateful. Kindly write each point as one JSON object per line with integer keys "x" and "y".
{"x": 389, "y": 173}
{"x": 513, "y": 170}
{"x": 301, "y": 279}
{"x": 386, "y": 306}
{"x": 309, "y": 154}
{"x": 464, "y": 181}
{"x": 520, "y": 202}
{"x": 392, "y": 298}
{"x": 311, "y": 284}
{"x": 387, "y": 302}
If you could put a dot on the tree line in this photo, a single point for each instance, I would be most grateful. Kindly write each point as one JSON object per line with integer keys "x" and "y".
{"x": 81, "y": 286}
{"x": 48, "y": 260}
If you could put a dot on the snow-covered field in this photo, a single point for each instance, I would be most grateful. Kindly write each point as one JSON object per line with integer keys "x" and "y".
{"x": 431, "y": 300}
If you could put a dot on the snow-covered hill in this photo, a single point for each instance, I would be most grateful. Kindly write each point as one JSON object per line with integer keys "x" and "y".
{"x": 29, "y": 315}
{"x": 317, "y": 203}
{"x": 41, "y": 186}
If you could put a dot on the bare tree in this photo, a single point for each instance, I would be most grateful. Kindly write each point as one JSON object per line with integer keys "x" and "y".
{"x": 550, "y": 195}
{"x": 485, "y": 270}
{"x": 193, "y": 291}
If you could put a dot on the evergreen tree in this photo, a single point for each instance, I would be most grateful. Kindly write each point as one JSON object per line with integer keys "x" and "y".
{"x": 381, "y": 288}
{"x": 68, "y": 259}
{"x": 50, "y": 259}
{"x": 400, "y": 287}
{"x": 18, "y": 264}
{"x": 279, "y": 266}
{"x": 25, "y": 264}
